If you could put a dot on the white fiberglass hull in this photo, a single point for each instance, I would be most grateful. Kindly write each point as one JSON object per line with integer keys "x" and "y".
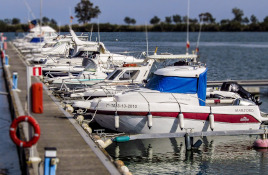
{"x": 133, "y": 114}
{"x": 139, "y": 124}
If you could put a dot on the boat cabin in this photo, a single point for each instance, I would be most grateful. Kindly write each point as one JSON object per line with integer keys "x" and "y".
{"x": 181, "y": 79}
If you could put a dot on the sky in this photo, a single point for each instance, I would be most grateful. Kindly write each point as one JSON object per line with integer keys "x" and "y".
{"x": 114, "y": 11}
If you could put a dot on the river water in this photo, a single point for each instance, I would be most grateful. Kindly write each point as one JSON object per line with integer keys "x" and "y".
{"x": 228, "y": 56}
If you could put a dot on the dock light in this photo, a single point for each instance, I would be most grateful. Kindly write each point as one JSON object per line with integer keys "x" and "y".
{"x": 6, "y": 60}
{"x": 15, "y": 80}
{"x": 51, "y": 160}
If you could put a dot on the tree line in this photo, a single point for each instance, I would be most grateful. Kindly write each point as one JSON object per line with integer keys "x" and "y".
{"x": 85, "y": 11}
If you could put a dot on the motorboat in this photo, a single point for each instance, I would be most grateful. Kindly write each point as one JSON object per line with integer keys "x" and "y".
{"x": 121, "y": 79}
{"x": 174, "y": 100}
{"x": 35, "y": 39}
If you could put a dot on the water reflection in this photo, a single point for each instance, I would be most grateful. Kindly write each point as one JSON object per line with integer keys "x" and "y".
{"x": 217, "y": 155}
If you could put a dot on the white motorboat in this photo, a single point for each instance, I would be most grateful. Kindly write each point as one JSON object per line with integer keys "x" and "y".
{"x": 121, "y": 79}
{"x": 174, "y": 100}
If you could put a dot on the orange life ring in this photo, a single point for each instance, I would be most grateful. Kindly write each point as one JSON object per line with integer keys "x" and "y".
{"x": 13, "y": 128}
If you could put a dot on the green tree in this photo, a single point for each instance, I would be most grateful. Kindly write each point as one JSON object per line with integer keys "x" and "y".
{"x": 85, "y": 11}
{"x": 224, "y": 21}
{"x": 15, "y": 21}
{"x": 45, "y": 20}
{"x": 168, "y": 20}
{"x": 265, "y": 20}
{"x": 155, "y": 20}
{"x": 53, "y": 22}
{"x": 7, "y": 21}
{"x": 245, "y": 20}
{"x": 176, "y": 19}
{"x": 133, "y": 21}
{"x": 238, "y": 14}
{"x": 254, "y": 19}
{"x": 207, "y": 18}
{"x": 129, "y": 20}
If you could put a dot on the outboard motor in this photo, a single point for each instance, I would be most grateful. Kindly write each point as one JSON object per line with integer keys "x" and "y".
{"x": 234, "y": 87}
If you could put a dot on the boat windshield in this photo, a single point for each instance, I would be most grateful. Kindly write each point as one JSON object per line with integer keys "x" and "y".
{"x": 172, "y": 84}
{"x": 129, "y": 75}
{"x": 91, "y": 66}
{"x": 84, "y": 54}
{"x": 114, "y": 74}
{"x": 47, "y": 45}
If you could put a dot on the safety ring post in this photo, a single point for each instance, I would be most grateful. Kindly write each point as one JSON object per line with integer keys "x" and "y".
{"x": 13, "y": 129}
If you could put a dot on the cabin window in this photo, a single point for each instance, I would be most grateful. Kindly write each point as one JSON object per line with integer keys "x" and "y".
{"x": 130, "y": 75}
{"x": 114, "y": 74}
{"x": 91, "y": 66}
{"x": 48, "y": 45}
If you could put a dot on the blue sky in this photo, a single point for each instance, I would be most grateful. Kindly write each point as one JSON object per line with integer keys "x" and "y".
{"x": 114, "y": 11}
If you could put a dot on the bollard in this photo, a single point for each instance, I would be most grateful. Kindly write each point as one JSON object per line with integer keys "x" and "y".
{"x": 15, "y": 80}
{"x": 51, "y": 161}
{"x": 6, "y": 60}
{"x": 188, "y": 142}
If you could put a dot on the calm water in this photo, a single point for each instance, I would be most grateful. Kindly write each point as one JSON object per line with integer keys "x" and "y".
{"x": 228, "y": 56}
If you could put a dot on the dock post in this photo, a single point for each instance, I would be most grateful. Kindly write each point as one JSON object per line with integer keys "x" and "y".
{"x": 51, "y": 161}
{"x": 188, "y": 142}
{"x": 6, "y": 60}
{"x": 15, "y": 80}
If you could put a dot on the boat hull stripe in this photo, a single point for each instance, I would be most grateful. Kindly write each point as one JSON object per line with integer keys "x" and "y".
{"x": 227, "y": 118}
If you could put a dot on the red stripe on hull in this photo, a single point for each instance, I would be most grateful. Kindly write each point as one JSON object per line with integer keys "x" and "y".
{"x": 227, "y": 118}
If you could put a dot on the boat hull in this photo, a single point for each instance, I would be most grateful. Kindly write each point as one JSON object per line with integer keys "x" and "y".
{"x": 160, "y": 124}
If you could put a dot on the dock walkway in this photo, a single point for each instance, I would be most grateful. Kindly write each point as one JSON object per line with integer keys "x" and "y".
{"x": 77, "y": 153}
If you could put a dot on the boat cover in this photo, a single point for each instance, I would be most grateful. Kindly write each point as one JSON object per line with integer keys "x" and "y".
{"x": 186, "y": 85}
{"x": 37, "y": 40}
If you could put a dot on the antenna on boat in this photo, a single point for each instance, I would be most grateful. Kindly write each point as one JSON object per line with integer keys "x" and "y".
{"x": 146, "y": 33}
{"x": 99, "y": 30}
{"x": 71, "y": 18}
{"x": 187, "y": 42}
{"x": 29, "y": 9}
{"x": 59, "y": 27}
{"x": 91, "y": 32}
{"x": 199, "y": 34}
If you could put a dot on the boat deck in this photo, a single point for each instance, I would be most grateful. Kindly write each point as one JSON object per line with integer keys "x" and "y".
{"x": 77, "y": 153}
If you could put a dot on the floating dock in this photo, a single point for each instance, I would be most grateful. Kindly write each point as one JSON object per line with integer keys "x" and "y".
{"x": 76, "y": 151}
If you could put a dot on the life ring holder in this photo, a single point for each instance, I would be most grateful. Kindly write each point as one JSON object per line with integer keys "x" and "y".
{"x": 13, "y": 129}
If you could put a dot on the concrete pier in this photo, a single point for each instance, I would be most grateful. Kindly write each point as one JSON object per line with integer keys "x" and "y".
{"x": 76, "y": 151}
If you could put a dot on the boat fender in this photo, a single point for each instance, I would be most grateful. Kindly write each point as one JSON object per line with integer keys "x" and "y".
{"x": 80, "y": 119}
{"x": 100, "y": 142}
{"x": 116, "y": 120}
{"x": 119, "y": 163}
{"x": 69, "y": 108}
{"x": 87, "y": 128}
{"x": 124, "y": 169}
{"x": 104, "y": 144}
{"x": 211, "y": 121}
{"x": 13, "y": 129}
{"x": 261, "y": 143}
{"x": 121, "y": 139}
{"x": 181, "y": 120}
{"x": 150, "y": 120}
{"x": 107, "y": 143}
